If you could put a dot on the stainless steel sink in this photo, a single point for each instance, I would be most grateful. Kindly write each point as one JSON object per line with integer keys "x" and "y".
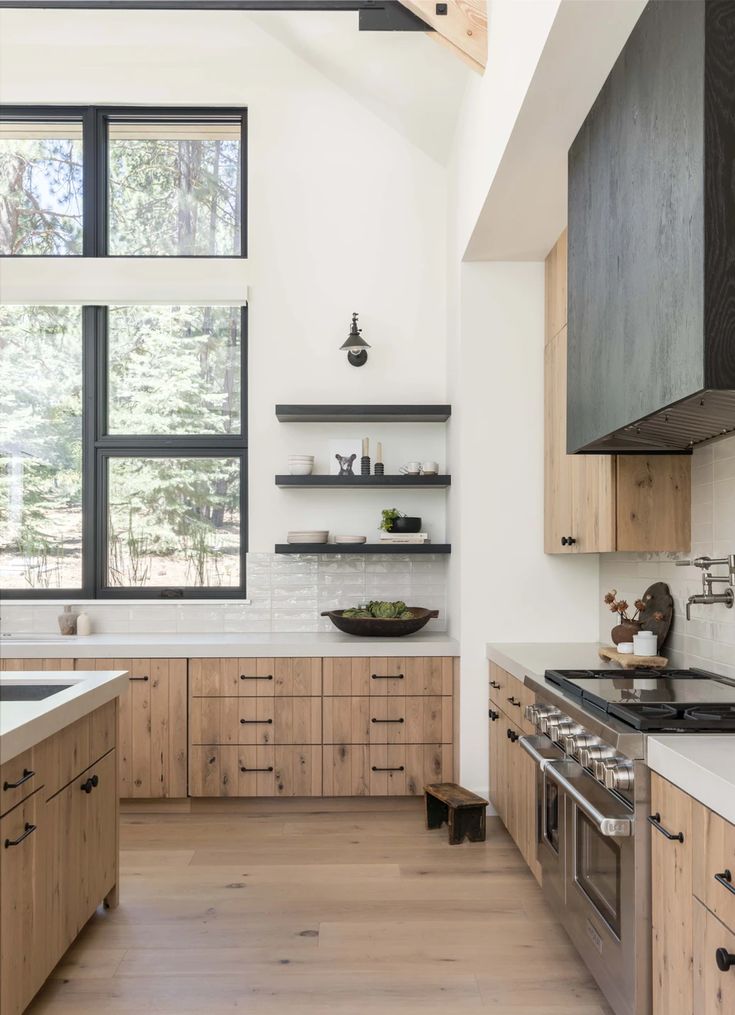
{"x": 30, "y": 692}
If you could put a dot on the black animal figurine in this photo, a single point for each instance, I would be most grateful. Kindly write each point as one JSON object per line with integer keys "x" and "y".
{"x": 345, "y": 464}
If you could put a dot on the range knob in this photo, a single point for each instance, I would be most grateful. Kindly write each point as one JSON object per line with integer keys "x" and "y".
{"x": 619, "y": 775}
{"x": 565, "y": 729}
{"x": 535, "y": 713}
{"x": 576, "y": 742}
{"x": 600, "y": 767}
{"x": 547, "y": 722}
{"x": 595, "y": 752}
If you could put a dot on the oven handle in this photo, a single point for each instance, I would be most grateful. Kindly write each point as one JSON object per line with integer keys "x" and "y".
{"x": 540, "y": 760}
{"x": 612, "y": 827}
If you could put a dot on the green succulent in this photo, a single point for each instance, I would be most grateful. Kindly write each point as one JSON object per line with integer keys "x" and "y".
{"x": 381, "y": 611}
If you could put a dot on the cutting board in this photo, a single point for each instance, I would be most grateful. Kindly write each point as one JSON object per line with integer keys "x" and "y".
{"x": 632, "y": 662}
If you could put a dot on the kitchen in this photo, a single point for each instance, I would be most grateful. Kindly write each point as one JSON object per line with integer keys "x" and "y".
{"x": 543, "y": 351}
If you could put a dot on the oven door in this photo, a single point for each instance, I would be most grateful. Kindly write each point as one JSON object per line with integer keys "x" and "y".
{"x": 550, "y": 820}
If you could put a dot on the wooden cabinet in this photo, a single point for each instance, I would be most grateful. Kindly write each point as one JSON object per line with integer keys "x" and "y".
{"x": 714, "y": 977}
{"x": 271, "y": 770}
{"x": 153, "y": 727}
{"x": 253, "y": 678}
{"x": 671, "y": 863}
{"x": 384, "y": 769}
{"x": 19, "y": 778}
{"x": 603, "y": 503}
{"x": 58, "y": 856}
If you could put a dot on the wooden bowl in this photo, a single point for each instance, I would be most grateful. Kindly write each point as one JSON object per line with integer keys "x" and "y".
{"x": 381, "y": 627}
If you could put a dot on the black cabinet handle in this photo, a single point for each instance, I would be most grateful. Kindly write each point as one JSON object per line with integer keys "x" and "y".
{"x": 568, "y": 540}
{"x": 91, "y": 783}
{"x": 514, "y": 701}
{"x": 386, "y": 676}
{"x": 512, "y": 736}
{"x": 400, "y": 768}
{"x": 244, "y": 676}
{"x": 387, "y": 720}
{"x": 244, "y": 769}
{"x": 28, "y": 830}
{"x": 655, "y": 820}
{"x": 138, "y": 678}
{"x": 27, "y": 774}
{"x": 267, "y": 722}
{"x": 724, "y": 959}
{"x": 495, "y": 684}
{"x": 493, "y": 714}
{"x": 725, "y": 879}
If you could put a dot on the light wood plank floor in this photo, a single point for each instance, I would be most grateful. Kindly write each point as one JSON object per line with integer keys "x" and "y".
{"x": 305, "y": 909}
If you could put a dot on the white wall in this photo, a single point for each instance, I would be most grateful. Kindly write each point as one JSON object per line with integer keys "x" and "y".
{"x": 345, "y": 214}
{"x": 509, "y": 590}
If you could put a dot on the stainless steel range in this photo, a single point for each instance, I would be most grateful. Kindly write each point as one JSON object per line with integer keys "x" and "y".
{"x": 593, "y": 805}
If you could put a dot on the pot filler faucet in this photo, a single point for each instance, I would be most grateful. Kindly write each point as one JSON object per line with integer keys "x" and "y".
{"x": 708, "y": 597}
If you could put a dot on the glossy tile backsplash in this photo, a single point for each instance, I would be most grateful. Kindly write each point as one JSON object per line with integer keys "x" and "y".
{"x": 708, "y": 639}
{"x": 286, "y": 593}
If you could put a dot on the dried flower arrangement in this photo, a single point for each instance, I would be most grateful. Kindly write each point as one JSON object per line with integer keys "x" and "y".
{"x": 628, "y": 625}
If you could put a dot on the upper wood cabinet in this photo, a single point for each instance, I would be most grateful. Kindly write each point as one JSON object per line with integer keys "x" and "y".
{"x": 601, "y": 503}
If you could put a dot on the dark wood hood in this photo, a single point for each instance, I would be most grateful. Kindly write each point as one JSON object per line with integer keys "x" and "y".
{"x": 651, "y": 361}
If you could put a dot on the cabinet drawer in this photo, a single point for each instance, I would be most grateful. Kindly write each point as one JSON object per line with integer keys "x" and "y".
{"x": 407, "y": 675}
{"x": 19, "y": 777}
{"x": 714, "y": 989}
{"x": 499, "y": 680}
{"x": 384, "y": 770}
{"x": 255, "y": 678}
{"x": 255, "y": 771}
{"x": 416, "y": 719}
{"x": 714, "y": 864}
{"x": 230, "y": 721}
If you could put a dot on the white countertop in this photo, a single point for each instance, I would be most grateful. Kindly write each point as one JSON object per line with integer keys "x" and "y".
{"x": 701, "y": 765}
{"x": 24, "y": 724}
{"x": 193, "y": 646}
{"x": 534, "y": 657}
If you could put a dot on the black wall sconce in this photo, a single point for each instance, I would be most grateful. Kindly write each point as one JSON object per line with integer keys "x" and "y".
{"x": 356, "y": 347}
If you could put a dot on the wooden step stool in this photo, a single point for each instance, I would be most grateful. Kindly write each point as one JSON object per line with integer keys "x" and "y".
{"x": 462, "y": 810}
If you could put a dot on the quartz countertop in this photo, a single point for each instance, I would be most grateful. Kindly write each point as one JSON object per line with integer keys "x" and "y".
{"x": 194, "y": 646}
{"x": 534, "y": 657}
{"x": 700, "y": 764}
{"x": 23, "y": 724}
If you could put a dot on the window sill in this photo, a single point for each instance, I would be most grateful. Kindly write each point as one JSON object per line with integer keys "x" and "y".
{"x": 125, "y": 602}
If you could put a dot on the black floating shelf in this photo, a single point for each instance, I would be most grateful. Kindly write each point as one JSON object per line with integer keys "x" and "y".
{"x": 363, "y": 413}
{"x": 364, "y": 482}
{"x": 391, "y": 548}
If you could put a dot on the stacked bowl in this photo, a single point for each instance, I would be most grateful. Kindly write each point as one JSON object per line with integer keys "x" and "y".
{"x": 300, "y": 465}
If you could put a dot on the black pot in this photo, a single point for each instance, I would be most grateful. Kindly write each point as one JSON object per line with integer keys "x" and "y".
{"x": 406, "y": 525}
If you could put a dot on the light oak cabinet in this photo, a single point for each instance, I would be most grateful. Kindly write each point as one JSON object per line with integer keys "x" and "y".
{"x": 601, "y": 503}
{"x": 693, "y": 905}
{"x": 512, "y": 771}
{"x": 58, "y": 855}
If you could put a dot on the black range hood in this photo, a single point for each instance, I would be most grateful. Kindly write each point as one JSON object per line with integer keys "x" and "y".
{"x": 651, "y": 315}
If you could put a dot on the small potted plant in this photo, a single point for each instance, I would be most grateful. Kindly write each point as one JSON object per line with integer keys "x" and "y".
{"x": 394, "y": 520}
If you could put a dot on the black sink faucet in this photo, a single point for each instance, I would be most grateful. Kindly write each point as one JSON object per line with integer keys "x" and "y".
{"x": 708, "y": 597}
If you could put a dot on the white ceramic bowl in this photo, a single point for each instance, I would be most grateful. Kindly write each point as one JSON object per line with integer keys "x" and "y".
{"x": 350, "y": 539}
{"x": 626, "y": 647}
{"x": 300, "y": 468}
{"x": 308, "y": 536}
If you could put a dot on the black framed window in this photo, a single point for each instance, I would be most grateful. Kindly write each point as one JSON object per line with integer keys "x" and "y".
{"x": 123, "y": 181}
{"x": 123, "y": 451}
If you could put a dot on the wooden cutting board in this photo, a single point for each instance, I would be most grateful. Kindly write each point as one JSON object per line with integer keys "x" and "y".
{"x": 632, "y": 662}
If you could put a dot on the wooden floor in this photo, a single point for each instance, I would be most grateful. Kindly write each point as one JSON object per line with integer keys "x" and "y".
{"x": 276, "y": 908}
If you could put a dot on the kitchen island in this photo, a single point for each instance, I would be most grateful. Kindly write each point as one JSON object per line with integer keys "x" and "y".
{"x": 59, "y": 817}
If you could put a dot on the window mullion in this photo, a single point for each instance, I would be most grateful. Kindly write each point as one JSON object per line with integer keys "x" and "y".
{"x": 90, "y": 395}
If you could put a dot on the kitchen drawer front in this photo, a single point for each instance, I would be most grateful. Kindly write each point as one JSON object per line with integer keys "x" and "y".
{"x": 714, "y": 990}
{"x": 384, "y": 770}
{"x": 19, "y": 777}
{"x": 247, "y": 678}
{"x": 416, "y": 719}
{"x": 499, "y": 681}
{"x": 255, "y": 771}
{"x": 346, "y": 720}
{"x": 68, "y": 753}
{"x": 297, "y": 677}
{"x": 346, "y": 676}
{"x": 29, "y": 665}
{"x": 252, "y": 721}
{"x": 411, "y": 675}
{"x": 714, "y": 864}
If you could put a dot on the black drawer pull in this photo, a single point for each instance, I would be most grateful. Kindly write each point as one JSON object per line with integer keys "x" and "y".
{"x": 138, "y": 678}
{"x": 724, "y": 959}
{"x": 244, "y": 769}
{"x": 28, "y": 830}
{"x": 655, "y": 820}
{"x": 27, "y": 774}
{"x": 725, "y": 879}
{"x": 91, "y": 783}
{"x": 400, "y": 768}
{"x": 387, "y": 720}
{"x": 268, "y": 722}
{"x": 512, "y": 736}
{"x": 244, "y": 676}
{"x": 514, "y": 701}
{"x": 495, "y": 684}
{"x": 493, "y": 714}
{"x": 386, "y": 676}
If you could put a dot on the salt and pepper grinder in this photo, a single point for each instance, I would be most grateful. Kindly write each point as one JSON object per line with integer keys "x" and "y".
{"x": 365, "y": 460}
{"x": 379, "y": 467}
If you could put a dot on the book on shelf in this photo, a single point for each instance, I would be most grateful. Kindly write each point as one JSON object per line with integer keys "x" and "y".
{"x": 404, "y": 537}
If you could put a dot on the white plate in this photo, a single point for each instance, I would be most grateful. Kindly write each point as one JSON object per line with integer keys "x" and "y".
{"x": 350, "y": 539}
{"x": 312, "y": 536}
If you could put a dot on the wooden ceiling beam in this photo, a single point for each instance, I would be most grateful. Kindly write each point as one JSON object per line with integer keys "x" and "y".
{"x": 463, "y": 26}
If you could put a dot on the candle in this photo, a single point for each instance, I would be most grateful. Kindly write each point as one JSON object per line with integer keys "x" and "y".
{"x": 379, "y": 455}
{"x": 365, "y": 446}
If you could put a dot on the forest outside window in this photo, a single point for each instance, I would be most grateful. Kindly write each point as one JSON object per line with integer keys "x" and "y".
{"x": 122, "y": 182}
{"x": 123, "y": 451}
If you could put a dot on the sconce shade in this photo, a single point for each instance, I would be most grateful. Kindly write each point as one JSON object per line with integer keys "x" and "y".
{"x": 354, "y": 341}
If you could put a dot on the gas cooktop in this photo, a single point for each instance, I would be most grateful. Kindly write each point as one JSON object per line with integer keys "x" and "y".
{"x": 661, "y": 700}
